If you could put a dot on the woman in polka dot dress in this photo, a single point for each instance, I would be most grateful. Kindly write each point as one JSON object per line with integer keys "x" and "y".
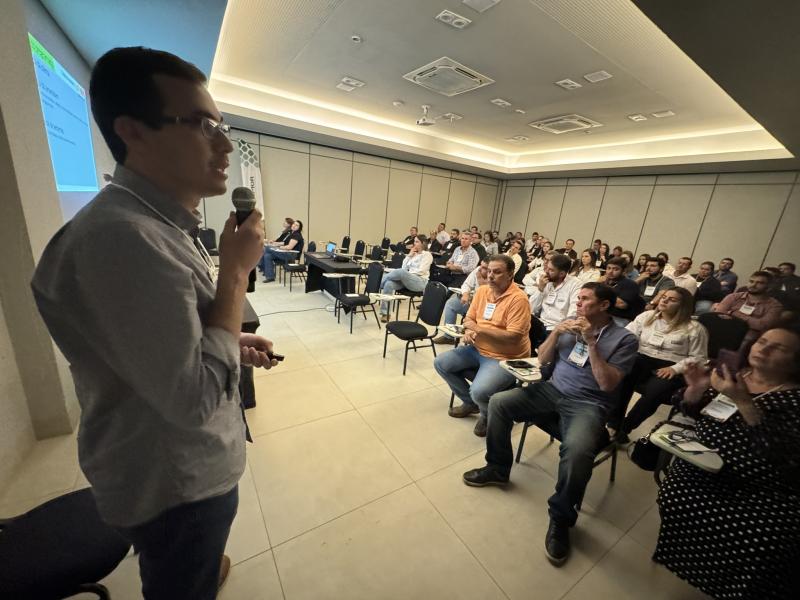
{"x": 736, "y": 533}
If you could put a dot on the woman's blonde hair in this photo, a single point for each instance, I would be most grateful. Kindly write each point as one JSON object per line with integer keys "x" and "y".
{"x": 685, "y": 310}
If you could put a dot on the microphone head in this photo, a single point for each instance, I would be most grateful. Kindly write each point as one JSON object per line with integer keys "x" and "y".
{"x": 243, "y": 198}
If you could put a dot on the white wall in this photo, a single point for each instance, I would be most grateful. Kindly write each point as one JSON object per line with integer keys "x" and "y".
{"x": 337, "y": 192}
{"x": 751, "y": 217}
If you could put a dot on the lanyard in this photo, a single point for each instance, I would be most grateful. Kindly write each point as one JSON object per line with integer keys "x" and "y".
{"x": 198, "y": 245}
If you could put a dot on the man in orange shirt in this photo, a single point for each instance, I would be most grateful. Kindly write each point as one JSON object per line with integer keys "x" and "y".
{"x": 496, "y": 326}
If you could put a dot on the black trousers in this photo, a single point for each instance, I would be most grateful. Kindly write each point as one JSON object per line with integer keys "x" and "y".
{"x": 654, "y": 392}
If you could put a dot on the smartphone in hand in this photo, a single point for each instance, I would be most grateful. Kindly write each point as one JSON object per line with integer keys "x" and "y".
{"x": 729, "y": 358}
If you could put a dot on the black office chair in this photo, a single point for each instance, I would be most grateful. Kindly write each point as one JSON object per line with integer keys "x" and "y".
{"x": 208, "y": 237}
{"x": 374, "y": 255}
{"x": 722, "y": 332}
{"x": 359, "y": 249}
{"x": 430, "y": 313}
{"x": 343, "y": 249}
{"x": 396, "y": 262}
{"x": 59, "y": 549}
{"x": 353, "y": 303}
{"x": 298, "y": 269}
{"x": 385, "y": 243}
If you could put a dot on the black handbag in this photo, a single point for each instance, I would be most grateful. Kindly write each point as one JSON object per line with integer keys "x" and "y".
{"x": 644, "y": 453}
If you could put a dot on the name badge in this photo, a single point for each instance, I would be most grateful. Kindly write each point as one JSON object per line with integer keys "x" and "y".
{"x": 650, "y": 290}
{"x": 747, "y": 309}
{"x": 489, "y": 311}
{"x": 720, "y": 408}
{"x": 551, "y": 298}
{"x": 598, "y": 263}
{"x": 657, "y": 338}
{"x": 579, "y": 354}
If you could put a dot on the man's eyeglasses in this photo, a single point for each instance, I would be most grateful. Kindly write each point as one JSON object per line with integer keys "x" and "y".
{"x": 208, "y": 126}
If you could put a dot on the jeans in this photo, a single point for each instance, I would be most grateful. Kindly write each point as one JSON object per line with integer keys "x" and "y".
{"x": 270, "y": 257}
{"x": 702, "y": 307}
{"x": 397, "y": 280}
{"x": 181, "y": 549}
{"x": 454, "y": 307}
{"x": 582, "y": 426}
{"x": 486, "y": 374}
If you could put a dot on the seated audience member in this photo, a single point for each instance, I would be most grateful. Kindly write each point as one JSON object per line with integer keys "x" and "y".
{"x": 545, "y": 248}
{"x": 270, "y": 245}
{"x": 441, "y": 235}
{"x": 641, "y": 264}
{"x": 584, "y": 269}
{"x": 681, "y": 277}
{"x": 460, "y": 264}
{"x": 709, "y": 290}
{"x": 474, "y": 229}
{"x": 596, "y": 246}
{"x": 631, "y": 272}
{"x": 489, "y": 243}
{"x": 653, "y": 283}
{"x": 496, "y": 328}
{"x": 604, "y": 255}
{"x": 450, "y": 245}
{"x": 477, "y": 246}
{"x": 787, "y": 281}
{"x": 407, "y": 243}
{"x": 736, "y": 533}
{"x": 616, "y": 252}
{"x": 752, "y": 305}
{"x": 569, "y": 249}
{"x": 668, "y": 268}
{"x": 590, "y": 356}
{"x": 514, "y": 252}
{"x": 628, "y": 303}
{"x": 786, "y": 290}
{"x": 727, "y": 278}
{"x": 559, "y": 293}
{"x": 290, "y": 250}
{"x": 532, "y": 243}
{"x": 531, "y": 280}
{"x": 669, "y": 340}
{"x": 506, "y": 243}
{"x": 458, "y": 304}
{"x": 413, "y": 275}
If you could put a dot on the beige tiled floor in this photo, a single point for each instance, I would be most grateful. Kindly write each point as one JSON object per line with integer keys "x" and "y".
{"x": 353, "y": 487}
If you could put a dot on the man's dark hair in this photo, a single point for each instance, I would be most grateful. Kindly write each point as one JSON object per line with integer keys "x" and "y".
{"x": 788, "y": 264}
{"x": 571, "y": 240}
{"x": 729, "y": 259}
{"x": 561, "y": 262}
{"x": 657, "y": 259}
{"x": 689, "y": 258}
{"x": 619, "y": 261}
{"x": 122, "y": 84}
{"x": 664, "y": 254}
{"x": 708, "y": 262}
{"x": 602, "y": 292}
{"x": 458, "y": 232}
{"x": 765, "y": 274}
{"x": 503, "y": 258}
{"x": 289, "y": 220}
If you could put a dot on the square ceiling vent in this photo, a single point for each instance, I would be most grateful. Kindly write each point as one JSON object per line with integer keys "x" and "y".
{"x": 447, "y": 77}
{"x": 565, "y": 124}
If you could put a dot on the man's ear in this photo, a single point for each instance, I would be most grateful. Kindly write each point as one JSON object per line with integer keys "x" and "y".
{"x": 129, "y": 131}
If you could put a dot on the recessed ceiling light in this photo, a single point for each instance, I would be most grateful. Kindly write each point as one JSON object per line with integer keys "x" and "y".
{"x": 480, "y": 5}
{"x": 452, "y": 116}
{"x": 597, "y": 76}
{"x": 637, "y": 117}
{"x": 353, "y": 82}
{"x": 448, "y": 17}
{"x": 356, "y": 39}
{"x": 663, "y": 113}
{"x": 344, "y": 87}
{"x": 568, "y": 84}
{"x": 500, "y": 102}
{"x": 398, "y": 103}
{"x": 519, "y": 111}
{"x": 517, "y": 138}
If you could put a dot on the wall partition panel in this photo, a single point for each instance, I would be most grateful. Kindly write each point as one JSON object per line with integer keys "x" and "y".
{"x": 740, "y": 222}
{"x": 368, "y": 204}
{"x": 674, "y": 219}
{"x": 545, "y": 210}
{"x": 432, "y": 203}
{"x": 785, "y": 244}
{"x": 284, "y": 180}
{"x": 622, "y": 215}
{"x": 483, "y": 207}
{"x": 459, "y": 205}
{"x": 515, "y": 210}
{"x": 403, "y": 205}
{"x": 329, "y": 199}
{"x": 579, "y": 214}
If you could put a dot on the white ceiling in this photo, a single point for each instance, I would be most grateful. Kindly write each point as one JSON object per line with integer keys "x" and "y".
{"x": 280, "y": 61}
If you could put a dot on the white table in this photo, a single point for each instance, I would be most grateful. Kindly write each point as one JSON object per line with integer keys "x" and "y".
{"x": 390, "y": 298}
{"x": 708, "y": 461}
{"x": 524, "y": 376}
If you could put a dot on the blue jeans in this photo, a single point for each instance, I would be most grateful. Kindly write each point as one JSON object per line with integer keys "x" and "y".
{"x": 454, "y": 307}
{"x": 181, "y": 549}
{"x": 486, "y": 374}
{"x": 582, "y": 427}
{"x": 397, "y": 280}
{"x": 270, "y": 257}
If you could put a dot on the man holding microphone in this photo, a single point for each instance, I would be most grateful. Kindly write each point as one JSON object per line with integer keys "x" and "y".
{"x": 150, "y": 328}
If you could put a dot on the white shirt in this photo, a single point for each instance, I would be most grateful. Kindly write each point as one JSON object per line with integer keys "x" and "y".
{"x": 669, "y": 270}
{"x": 442, "y": 237}
{"x": 470, "y": 283}
{"x": 681, "y": 346}
{"x": 517, "y": 262}
{"x": 419, "y": 264}
{"x": 685, "y": 281}
{"x": 587, "y": 275}
{"x": 557, "y": 303}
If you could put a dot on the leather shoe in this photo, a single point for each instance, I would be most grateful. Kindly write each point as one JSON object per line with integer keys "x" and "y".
{"x": 484, "y": 476}
{"x": 224, "y": 569}
{"x": 444, "y": 339}
{"x": 480, "y": 427}
{"x": 464, "y": 410}
{"x": 556, "y": 543}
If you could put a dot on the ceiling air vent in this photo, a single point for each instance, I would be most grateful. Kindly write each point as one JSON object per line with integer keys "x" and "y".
{"x": 447, "y": 77}
{"x": 565, "y": 124}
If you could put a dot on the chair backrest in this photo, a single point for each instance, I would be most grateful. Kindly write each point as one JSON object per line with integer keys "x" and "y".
{"x": 376, "y": 253}
{"x": 396, "y": 261}
{"x": 208, "y": 237}
{"x": 345, "y": 243}
{"x": 374, "y": 277}
{"x": 360, "y": 247}
{"x": 433, "y": 301}
{"x": 722, "y": 332}
{"x": 385, "y": 243}
{"x": 312, "y": 247}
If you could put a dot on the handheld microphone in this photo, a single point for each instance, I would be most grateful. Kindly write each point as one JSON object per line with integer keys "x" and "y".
{"x": 244, "y": 201}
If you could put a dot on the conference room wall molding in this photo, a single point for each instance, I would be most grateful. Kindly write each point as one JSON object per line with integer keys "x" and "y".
{"x": 752, "y": 217}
